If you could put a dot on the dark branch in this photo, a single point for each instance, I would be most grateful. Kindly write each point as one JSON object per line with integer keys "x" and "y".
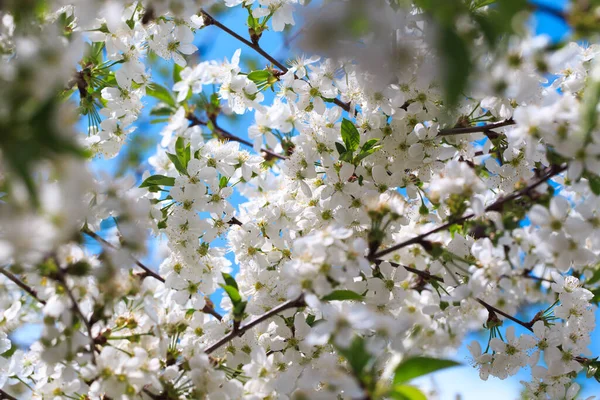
{"x": 21, "y": 284}
{"x": 474, "y": 129}
{"x": 496, "y": 206}
{"x": 299, "y": 302}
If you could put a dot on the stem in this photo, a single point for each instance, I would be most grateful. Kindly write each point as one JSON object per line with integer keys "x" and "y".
{"x": 493, "y": 309}
{"x": 496, "y": 206}
{"x": 6, "y": 396}
{"x": 148, "y": 271}
{"x": 22, "y": 285}
{"x": 473, "y": 129}
{"x": 63, "y": 281}
{"x": 108, "y": 244}
{"x": 298, "y": 302}
{"x": 230, "y": 136}
{"x": 209, "y": 20}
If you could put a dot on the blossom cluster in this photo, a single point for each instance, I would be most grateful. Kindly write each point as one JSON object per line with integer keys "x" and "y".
{"x": 369, "y": 223}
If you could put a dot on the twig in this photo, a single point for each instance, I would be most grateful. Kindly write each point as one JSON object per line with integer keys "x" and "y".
{"x": 147, "y": 270}
{"x": 496, "y": 206}
{"x": 230, "y": 136}
{"x": 22, "y": 285}
{"x": 6, "y": 396}
{"x": 63, "y": 281}
{"x": 106, "y": 243}
{"x": 298, "y": 302}
{"x": 209, "y": 20}
{"x": 473, "y": 129}
{"x": 492, "y": 309}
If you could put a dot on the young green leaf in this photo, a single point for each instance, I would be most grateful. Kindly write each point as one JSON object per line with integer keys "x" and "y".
{"x": 406, "y": 392}
{"x": 178, "y": 165}
{"x": 159, "y": 180}
{"x": 357, "y": 355}
{"x": 340, "y": 295}
{"x": 350, "y": 135}
{"x": 161, "y": 93}
{"x": 230, "y": 280}
{"x": 183, "y": 152}
{"x": 418, "y": 366}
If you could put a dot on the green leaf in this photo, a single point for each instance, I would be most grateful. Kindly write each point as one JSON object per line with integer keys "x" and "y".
{"x": 340, "y": 148}
{"x": 233, "y": 294}
{"x": 183, "y": 152}
{"x": 178, "y": 165}
{"x": 161, "y": 93}
{"x": 162, "y": 110}
{"x": 357, "y": 355}
{"x": 350, "y": 135}
{"x": 594, "y": 182}
{"x": 367, "y": 149}
{"x": 238, "y": 310}
{"x": 406, "y": 392}
{"x": 418, "y": 366}
{"x": 230, "y": 280}
{"x": 595, "y": 277}
{"x": 259, "y": 76}
{"x": 457, "y": 63}
{"x": 223, "y": 182}
{"x": 340, "y": 295}
{"x": 177, "y": 72}
{"x": 159, "y": 180}
{"x": 589, "y": 117}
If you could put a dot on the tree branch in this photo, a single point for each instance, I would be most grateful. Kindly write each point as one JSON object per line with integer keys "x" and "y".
{"x": 298, "y": 302}
{"x": 209, "y": 20}
{"x": 492, "y": 309}
{"x": 496, "y": 206}
{"x": 6, "y": 396}
{"x": 474, "y": 129}
{"x": 148, "y": 272}
{"x": 22, "y": 285}
{"x": 63, "y": 281}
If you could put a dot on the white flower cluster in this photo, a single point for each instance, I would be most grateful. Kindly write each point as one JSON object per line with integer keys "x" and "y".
{"x": 371, "y": 224}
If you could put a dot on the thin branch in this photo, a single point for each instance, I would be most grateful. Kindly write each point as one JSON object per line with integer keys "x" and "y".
{"x": 63, "y": 281}
{"x": 298, "y": 302}
{"x": 147, "y": 271}
{"x": 209, "y": 20}
{"x": 230, "y": 136}
{"x": 492, "y": 309}
{"x": 194, "y": 120}
{"x": 478, "y": 128}
{"x": 496, "y": 206}
{"x": 22, "y": 285}
{"x": 108, "y": 244}
{"x": 6, "y": 396}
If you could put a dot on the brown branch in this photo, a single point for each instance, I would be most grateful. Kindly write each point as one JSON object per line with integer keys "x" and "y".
{"x": 75, "y": 307}
{"x": 209, "y": 20}
{"x": 223, "y": 134}
{"x": 230, "y": 136}
{"x": 108, "y": 244}
{"x": 492, "y": 309}
{"x": 473, "y": 129}
{"x": 22, "y": 285}
{"x": 298, "y": 302}
{"x": 496, "y": 206}
{"x": 147, "y": 271}
{"x": 6, "y": 396}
